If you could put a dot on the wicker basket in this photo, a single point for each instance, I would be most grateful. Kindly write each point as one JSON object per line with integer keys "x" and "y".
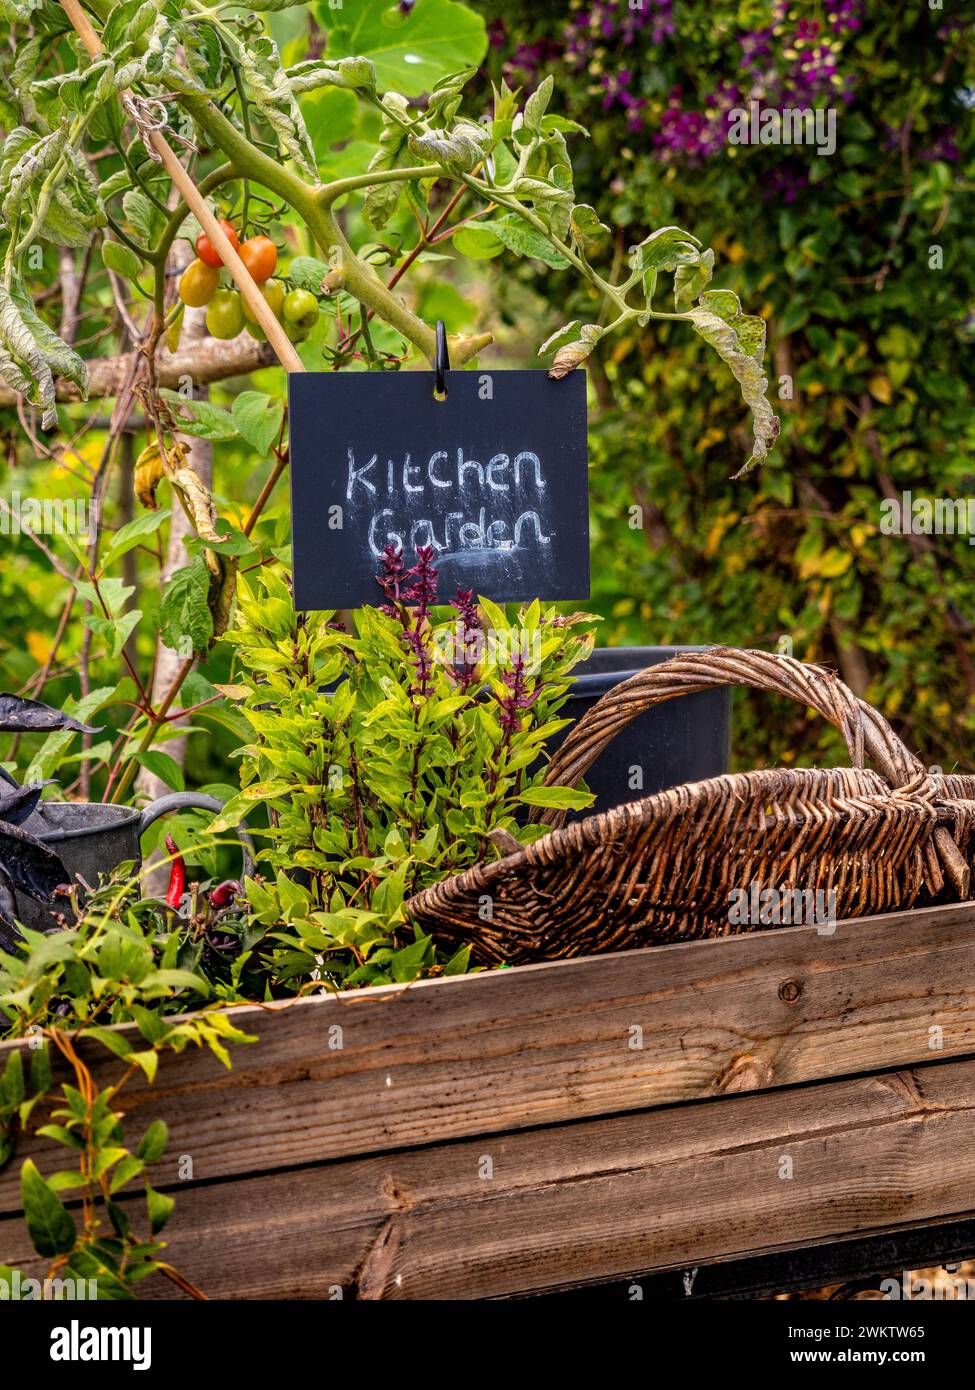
{"x": 664, "y": 868}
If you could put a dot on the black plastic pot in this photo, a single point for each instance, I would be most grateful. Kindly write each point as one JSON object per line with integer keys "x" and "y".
{"x": 685, "y": 740}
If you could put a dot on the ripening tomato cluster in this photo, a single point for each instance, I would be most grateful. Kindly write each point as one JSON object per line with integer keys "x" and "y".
{"x": 227, "y": 312}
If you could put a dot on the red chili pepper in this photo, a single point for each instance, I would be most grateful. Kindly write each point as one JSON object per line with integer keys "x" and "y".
{"x": 225, "y": 892}
{"x": 177, "y": 876}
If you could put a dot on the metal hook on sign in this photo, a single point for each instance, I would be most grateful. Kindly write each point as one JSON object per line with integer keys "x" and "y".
{"x": 441, "y": 362}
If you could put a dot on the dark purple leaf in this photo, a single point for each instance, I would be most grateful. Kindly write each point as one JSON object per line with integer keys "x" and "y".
{"x": 16, "y": 806}
{"x": 19, "y": 716}
{"x": 29, "y": 864}
{"x": 9, "y": 935}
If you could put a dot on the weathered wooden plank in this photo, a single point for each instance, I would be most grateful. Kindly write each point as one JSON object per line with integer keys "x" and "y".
{"x": 542, "y": 1044}
{"x": 590, "y": 1200}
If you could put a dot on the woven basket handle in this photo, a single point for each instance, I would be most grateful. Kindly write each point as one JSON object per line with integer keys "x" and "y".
{"x": 866, "y": 732}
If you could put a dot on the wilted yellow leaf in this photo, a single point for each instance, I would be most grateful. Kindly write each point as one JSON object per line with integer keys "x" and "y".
{"x": 881, "y": 389}
{"x": 827, "y": 565}
{"x": 717, "y": 532}
{"x": 709, "y": 437}
{"x": 835, "y": 561}
{"x": 233, "y": 692}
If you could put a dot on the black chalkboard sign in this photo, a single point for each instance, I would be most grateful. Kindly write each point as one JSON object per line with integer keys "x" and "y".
{"x": 494, "y": 477}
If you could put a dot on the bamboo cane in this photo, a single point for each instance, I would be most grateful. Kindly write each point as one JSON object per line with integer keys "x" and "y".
{"x": 258, "y": 305}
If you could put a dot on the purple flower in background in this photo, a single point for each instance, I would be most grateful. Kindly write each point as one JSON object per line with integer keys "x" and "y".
{"x": 784, "y": 183}
{"x": 690, "y": 136}
{"x": 757, "y": 49}
{"x": 843, "y": 16}
{"x": 606, "y": 20}
{"x": 797, "y": 60}
{"x": 528, "y": 58}
{"x": 497, "y": 33}
{"x": 794, "y": 62}
{"x": 945, "y": 147}
{"x": 663, "y": 23}
{"x": 616, "y": 93}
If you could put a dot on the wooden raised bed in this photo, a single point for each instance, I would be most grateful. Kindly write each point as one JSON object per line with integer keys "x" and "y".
{"x": 505, "y": 1134}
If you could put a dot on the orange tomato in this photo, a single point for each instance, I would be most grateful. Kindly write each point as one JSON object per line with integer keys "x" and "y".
{"x": 260, "y": 255}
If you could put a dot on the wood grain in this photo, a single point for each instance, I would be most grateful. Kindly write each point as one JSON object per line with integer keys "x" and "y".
{"x": 594, "y": 1200}
{"x": 497, "y": 1052}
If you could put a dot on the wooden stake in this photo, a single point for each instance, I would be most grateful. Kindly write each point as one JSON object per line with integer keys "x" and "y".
{"x": 276, "y": 336}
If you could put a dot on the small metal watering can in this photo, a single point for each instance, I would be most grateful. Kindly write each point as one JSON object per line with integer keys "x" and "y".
{"x": 92, "y": 838}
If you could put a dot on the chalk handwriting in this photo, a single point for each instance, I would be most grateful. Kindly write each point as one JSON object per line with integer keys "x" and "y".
{"x": 474, "y": 486}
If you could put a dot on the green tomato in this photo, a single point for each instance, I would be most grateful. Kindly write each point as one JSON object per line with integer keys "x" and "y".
{"x": 225, "y": 314}
{"x": 273, "y": 292}
{"x": 300, "y": 313}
